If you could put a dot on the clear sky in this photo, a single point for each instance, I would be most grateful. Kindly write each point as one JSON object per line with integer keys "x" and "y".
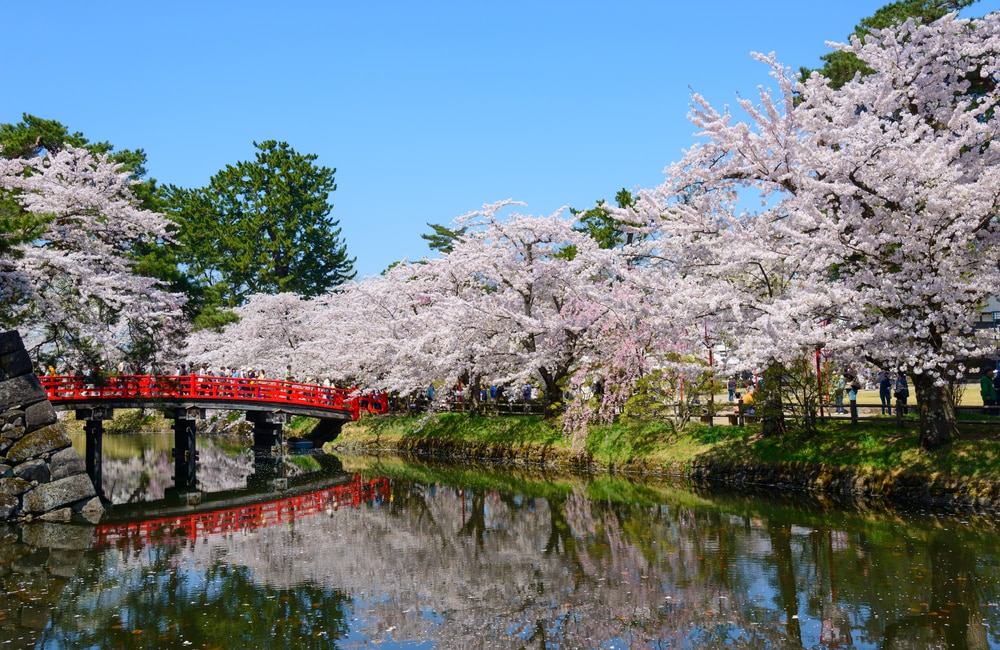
{"x": 426, "y": 109}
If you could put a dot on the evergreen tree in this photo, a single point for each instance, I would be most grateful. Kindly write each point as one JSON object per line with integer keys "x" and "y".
{"x": 262, "y": 227}
{"x": 605, "y": 229}
{"x": 443, "y": 238}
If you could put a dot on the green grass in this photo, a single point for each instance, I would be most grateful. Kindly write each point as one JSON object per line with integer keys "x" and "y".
{"x": 300, "y": 426}
{"x": 553, "y": 485}
{"x": 868, "y": 446}
{"x": 458, "y": 427}
{"x": 305, "y": 462}
{"x": 872, "y": 445}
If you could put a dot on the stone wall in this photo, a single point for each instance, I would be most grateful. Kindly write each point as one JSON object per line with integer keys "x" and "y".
{"x": 41, "y": 475}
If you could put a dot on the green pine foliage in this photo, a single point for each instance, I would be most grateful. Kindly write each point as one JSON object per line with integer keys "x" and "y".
{"x": 262, "y": 227}
{"x": 601, "y": 226}
{"x": 442, "y": 239}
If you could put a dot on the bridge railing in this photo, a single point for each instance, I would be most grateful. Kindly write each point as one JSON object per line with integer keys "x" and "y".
{"x": 71, "y": 388}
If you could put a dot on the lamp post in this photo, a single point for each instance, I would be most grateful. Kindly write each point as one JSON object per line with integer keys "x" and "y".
{"x": 711, "y": 379}
{"x": 819, "y": 381}
{"x": 996, "y": 339}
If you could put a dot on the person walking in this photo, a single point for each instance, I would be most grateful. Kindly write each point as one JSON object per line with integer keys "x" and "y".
{"x": 988, "y": 391}
{"x": 901, "y": 393}
{"x": 996, "y": 384}
{"x": 885, "y": 392}
{"x": 839, "y": 384}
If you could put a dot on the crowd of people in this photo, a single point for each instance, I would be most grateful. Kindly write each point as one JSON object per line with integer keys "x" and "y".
{"x": 844, "y": 387}
{"x": 847, "y": 384}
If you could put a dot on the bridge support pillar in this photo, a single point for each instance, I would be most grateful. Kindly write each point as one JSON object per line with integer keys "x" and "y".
{"x": 93, "y": 427}
{"x": 267, "y": 430}
{"x": 185, "y": 452}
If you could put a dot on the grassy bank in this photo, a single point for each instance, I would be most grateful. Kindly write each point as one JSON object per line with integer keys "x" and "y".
{"x": 866, "y": 447}
{"x": 870, "y": 446}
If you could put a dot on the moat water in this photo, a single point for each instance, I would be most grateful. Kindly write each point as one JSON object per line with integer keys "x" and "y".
{"x": 355, "y": 552}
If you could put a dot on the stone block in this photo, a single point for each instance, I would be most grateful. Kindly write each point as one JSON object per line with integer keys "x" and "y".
{"x": 9, "y": 506}
{"x": 62, "y": 514}
{"x": 14, "y": 486}
{"x": 92, "y": 510}
{"x": 50, "y": 535}
{"x": 10, "y": 341}
{"x": 39, "y": 415}
{"x": 20, "y": 391}
{"x": 66, "y": 462}
{"x": 15, "y": 364}
{"x": 6, "y": 471}
{"x": 9, "y": 436}
{"x": 12, "y": 418}
{"x": 36, "y": 470}
{"x": 57, "y": 494}
{"x": 46, "y": 440}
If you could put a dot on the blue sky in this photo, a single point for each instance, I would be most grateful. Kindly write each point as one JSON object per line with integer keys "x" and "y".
{"x": 426, "y": 109}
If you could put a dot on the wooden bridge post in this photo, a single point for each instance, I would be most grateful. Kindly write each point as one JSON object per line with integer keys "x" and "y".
{"x": 266, "y": 430}
{"x": 185, "y": 452}
{"x": 93, "y": 427}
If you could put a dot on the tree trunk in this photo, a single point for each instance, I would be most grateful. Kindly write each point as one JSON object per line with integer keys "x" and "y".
{"x": 937, "y": 413}
{"x": 552, "y": 399}
{"x": 472, "y": 396}
{"x": 770, "y": 406}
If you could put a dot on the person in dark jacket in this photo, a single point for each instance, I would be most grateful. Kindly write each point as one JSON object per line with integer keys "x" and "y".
{"x": 885, "y": 392}
{"x": 902, "y": 392}
{"x": 988, "y": 391}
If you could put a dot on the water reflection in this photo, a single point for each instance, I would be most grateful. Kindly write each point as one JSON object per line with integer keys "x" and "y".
{"x": 437, "y": 556}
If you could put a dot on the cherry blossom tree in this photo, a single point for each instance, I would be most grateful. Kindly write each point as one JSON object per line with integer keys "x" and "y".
{"x": 878, "y": 227}
{"x": 513, "y": 301}
{"x": 271, "y": 332}
{"x": 539, "y": 288}
{"x": 70, "y": 287}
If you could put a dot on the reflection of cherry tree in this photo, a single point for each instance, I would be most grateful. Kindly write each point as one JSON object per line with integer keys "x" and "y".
{"x": 450, "y": 567}
{"x": 147, "y": 477}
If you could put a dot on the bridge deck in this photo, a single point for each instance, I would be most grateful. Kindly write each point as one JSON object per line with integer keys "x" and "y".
{"x": 201, "y": 391}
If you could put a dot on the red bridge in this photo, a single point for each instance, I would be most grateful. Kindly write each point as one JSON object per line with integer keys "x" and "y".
{"x": 209, "y": 392}
{"x": 268, "y": 404}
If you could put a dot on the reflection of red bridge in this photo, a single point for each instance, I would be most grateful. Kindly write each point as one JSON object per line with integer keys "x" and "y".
{"x": 198, "y": 391}
{"x": 194, "y": 525}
